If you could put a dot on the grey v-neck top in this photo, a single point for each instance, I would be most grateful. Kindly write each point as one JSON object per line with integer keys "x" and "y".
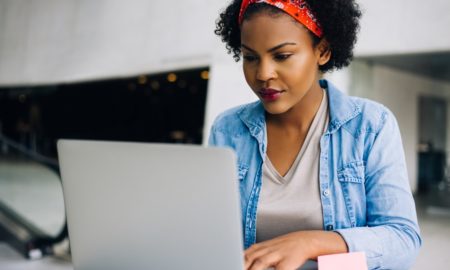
{"x": 292, "y": 202}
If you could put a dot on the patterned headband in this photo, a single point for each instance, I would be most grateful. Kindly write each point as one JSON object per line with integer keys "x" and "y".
{"x": 298, "y": 9}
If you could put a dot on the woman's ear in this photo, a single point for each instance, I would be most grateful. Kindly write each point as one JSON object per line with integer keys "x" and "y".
{"x": 323, "y": 52}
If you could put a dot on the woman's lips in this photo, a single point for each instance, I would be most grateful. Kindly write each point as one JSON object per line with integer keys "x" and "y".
{"x": 269, "y": 94}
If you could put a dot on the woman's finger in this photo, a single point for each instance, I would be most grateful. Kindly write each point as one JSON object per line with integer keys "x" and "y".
{"x": 265, "y": 261}
{"x": 253, "y": 253}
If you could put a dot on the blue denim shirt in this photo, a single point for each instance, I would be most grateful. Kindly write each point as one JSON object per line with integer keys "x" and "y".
{"x": 364, "y": 186}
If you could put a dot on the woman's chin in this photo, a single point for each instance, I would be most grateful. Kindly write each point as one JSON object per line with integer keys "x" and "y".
{"x": 274, "y": 109}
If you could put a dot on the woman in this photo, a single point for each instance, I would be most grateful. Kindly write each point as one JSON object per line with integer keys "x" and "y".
{"x": 319, "y": 172}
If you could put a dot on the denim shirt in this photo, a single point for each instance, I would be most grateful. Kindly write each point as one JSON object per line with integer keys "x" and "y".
{"x": 364, "y": 187}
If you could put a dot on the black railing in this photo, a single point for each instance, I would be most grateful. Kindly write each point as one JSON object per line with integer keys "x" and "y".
{"x": 17, "y": 231}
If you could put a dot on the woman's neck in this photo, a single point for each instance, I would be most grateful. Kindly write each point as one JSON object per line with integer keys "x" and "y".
{"x": 300, "y": 116}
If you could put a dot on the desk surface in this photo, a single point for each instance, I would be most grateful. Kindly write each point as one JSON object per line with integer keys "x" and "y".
{"x": 11, "y": 260}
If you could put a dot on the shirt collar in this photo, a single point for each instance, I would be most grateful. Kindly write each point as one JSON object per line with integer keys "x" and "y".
{"x": 342, "y": 107}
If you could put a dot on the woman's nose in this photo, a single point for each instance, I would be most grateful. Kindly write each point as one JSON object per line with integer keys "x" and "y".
{"x": 265, "y": 71}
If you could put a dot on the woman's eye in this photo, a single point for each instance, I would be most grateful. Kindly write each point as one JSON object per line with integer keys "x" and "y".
{"x": 281, "y": 57}
{"x": 249, "y": 58}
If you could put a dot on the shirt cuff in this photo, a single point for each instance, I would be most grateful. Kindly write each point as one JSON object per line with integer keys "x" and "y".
{"x": 364, "y": 239}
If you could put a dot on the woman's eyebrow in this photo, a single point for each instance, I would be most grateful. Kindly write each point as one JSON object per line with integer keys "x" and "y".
{"x": 271, "y": 49}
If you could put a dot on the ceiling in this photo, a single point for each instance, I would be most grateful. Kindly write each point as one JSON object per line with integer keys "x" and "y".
{"x": 432, "y": 65}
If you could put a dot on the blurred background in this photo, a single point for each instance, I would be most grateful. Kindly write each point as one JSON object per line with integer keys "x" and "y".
{"x": 153, "y": 71}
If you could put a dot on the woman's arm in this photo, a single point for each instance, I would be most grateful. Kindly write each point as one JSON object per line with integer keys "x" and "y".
{"x": 290, "y": 251}
{"x": 391, "y": 239}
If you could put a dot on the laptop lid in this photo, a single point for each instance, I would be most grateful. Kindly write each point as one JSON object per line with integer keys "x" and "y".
{"x": 151, "y": 206}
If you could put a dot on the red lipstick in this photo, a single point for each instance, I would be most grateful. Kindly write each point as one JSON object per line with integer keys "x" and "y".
{"x": 269, "y": 94}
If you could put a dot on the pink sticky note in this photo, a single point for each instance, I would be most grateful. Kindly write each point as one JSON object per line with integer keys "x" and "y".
{"x": 344, "y": 261}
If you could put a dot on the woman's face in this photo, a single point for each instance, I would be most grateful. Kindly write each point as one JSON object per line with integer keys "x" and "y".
{"x": 280, "y": 62}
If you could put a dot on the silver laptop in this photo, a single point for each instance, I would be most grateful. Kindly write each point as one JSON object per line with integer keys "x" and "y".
{"x": 151, "y": 206}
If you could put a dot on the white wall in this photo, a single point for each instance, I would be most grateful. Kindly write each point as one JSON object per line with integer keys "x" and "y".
{"x": 400, "y": 92}
{"x": 47, "y": 41}
{"x": 403, "y": 26}
{"x": 340, "y": 78}
{"x": 226, "y": 87}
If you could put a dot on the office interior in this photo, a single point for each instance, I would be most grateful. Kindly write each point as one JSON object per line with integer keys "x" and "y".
{"x": 111, "y": 70}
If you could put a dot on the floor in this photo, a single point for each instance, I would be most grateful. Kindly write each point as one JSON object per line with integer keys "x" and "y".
{"x": 434, "y": 223}
{"x": 11, "y": 260}
{"x": 35, "y": 192}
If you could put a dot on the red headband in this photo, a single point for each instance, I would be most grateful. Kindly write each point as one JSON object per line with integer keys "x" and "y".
{"x": 298, "y": 9}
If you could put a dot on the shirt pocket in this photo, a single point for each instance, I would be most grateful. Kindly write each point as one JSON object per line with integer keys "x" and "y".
{"x": 351, "y": 178}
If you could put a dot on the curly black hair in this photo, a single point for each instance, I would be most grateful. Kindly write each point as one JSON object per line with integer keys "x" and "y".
{"x": 339, "y": 20}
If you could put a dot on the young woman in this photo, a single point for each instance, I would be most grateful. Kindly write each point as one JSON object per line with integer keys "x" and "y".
{"x": 319, "y": 172}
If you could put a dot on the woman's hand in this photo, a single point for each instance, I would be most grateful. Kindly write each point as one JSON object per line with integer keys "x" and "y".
{"x": 290, "y": 251}
{"x": 287, "y": 252}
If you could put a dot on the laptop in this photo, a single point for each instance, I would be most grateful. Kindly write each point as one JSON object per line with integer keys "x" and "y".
{"x": 151, "y": 206}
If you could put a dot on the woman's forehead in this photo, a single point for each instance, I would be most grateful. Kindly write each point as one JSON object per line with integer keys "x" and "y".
{"x": 267, "y": 28}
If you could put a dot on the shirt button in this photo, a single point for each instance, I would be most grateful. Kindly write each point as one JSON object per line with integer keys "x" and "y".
{"x": 329, "y": 227}
{"x": 326, "y": 192}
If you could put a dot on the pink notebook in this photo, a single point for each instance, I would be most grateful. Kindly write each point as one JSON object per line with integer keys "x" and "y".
{"x": 344, "y": 261}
